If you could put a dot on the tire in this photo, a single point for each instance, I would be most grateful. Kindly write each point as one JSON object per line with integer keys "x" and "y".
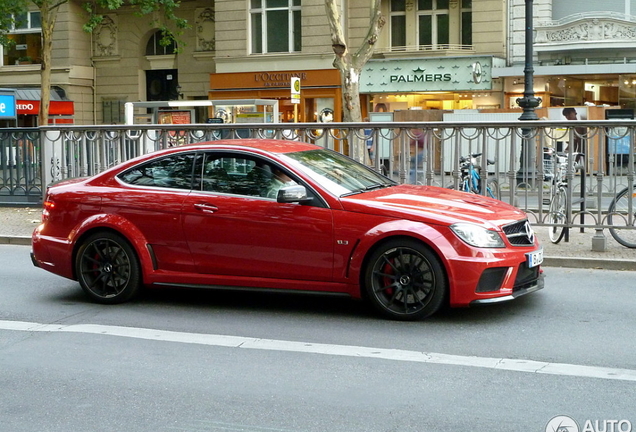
{"x": 492, "y": 188}
{"x": 618, "y": 216}
{"x": 557, "y": 215}
{"x": 107, "y": 268}
{"x": 405, "y": 270}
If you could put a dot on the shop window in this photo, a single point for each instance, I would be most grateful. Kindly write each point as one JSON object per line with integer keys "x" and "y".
{"x": 26, "y": 35}
{"x": 430, "y": 24}
{"x": 157, "y": 46}
{"x": 275, "y": 26}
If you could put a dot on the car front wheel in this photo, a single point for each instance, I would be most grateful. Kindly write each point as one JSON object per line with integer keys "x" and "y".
{"x": 404, "y": 280}
{"x": 107, "y": 268}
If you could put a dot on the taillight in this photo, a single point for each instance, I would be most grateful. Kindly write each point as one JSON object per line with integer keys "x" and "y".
{"x": 46, "y": 209}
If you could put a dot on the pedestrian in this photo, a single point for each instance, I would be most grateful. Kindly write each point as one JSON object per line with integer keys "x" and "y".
{"x": 368, "y": 133}
{"x": 577, "y": 137}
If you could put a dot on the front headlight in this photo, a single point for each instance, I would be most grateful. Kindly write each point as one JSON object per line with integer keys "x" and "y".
{"x": 477, "y": 236}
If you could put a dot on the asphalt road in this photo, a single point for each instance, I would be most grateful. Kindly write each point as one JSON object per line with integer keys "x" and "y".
{"x": 209, "y": 361}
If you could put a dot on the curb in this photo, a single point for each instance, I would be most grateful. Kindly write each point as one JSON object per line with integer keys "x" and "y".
{"x": 589, "y": 263}
{"x": 16, "y": 240}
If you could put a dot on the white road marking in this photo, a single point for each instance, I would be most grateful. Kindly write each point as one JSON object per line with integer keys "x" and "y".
{"x": 516, "y": 365}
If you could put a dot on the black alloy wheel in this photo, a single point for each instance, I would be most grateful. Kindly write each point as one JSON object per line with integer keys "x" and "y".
{"x": 107, "y": 268}
{"x": 404, "y": 280}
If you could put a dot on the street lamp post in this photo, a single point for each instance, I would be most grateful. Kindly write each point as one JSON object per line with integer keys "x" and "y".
{"x": 528, "y": 102}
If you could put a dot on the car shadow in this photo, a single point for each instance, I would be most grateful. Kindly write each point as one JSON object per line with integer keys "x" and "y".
{"x": 330, "y": 305}
{"x": 529, "y": 305}
{"x": 300, "y": 304}
{"x": 254, "y": 301}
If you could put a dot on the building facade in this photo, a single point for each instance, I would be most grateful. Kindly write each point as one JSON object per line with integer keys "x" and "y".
{"x": 583, "y": 54}
{"x": 121, "y": 61}
{"x": 432, "y": 55}
{"x": 422, "y": 36}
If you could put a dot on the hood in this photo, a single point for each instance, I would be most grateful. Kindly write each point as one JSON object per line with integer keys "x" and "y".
{"x": 433, "y": 205}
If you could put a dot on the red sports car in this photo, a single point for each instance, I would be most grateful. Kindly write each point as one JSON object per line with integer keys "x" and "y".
{"x": 282, "y": 215}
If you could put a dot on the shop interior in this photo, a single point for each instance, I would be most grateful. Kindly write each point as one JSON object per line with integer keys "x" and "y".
{"x": 590, "y": 90}
{"x": 436, "y": 101}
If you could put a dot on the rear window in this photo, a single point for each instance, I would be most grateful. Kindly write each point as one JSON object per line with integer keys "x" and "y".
{"x": 174, "y": 171}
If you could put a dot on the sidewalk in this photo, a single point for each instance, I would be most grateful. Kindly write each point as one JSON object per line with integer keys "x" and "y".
{"x": 17, "y": 224}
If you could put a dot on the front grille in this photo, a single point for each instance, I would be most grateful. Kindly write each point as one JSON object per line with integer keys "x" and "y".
{"x": 519, "y": 233}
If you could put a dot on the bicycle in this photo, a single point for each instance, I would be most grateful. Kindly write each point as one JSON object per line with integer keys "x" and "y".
{"x": 559, "y": 201}
{"x": 557, "y": 210}
{"x": 471, "y": 180}
{"x": 621, "y": 210}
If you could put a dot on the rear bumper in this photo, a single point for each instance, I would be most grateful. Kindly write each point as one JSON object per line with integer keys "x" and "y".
{"x": 33, "y": 260}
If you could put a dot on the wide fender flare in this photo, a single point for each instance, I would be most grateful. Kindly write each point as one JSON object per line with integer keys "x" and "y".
{"x": 120, "y": 225}
{"x": 430, "y": 235}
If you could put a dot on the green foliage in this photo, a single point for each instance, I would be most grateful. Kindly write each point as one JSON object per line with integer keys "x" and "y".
{"x": 10, "y": 9}
{"x": 170, "y": 25}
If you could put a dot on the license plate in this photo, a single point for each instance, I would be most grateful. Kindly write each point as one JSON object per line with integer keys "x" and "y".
{"x": 534, "y": 258}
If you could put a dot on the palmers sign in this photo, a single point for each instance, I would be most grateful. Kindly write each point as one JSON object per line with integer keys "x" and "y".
{"x": 427, "y": 74}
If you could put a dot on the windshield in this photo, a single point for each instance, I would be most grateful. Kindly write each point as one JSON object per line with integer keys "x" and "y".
{"x": 337, "y": 173}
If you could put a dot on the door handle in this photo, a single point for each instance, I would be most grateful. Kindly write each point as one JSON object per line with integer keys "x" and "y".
{"x": 206, "y": 208}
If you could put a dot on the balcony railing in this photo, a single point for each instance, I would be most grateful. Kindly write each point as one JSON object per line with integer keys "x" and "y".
{"x": 437, "y": 48}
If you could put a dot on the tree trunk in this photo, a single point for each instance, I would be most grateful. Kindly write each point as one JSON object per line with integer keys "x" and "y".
{"x": 48, "y": 14}
{"x": 350, "y": 65}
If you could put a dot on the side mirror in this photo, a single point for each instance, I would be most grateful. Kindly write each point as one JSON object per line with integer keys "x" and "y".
{"x": 293, "y": 194}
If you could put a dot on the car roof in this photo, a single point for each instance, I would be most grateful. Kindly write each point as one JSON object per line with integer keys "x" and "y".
{"x": 267, "y": 145}
{"x": 256, "y": 146}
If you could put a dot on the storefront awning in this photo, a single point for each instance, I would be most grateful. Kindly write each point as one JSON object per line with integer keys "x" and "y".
{"x": 32, "y": 107}
{"x": 28, "y": 102}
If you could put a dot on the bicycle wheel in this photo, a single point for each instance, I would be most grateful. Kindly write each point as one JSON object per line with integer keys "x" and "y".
{"x": 618, "y": 216}
{"x": 463, "y": 186}
{"x": 492, "y": 188}
{"x": 557, "y": 216}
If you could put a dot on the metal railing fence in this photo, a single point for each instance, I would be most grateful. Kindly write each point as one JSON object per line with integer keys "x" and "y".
{"x": 409, "y": 152}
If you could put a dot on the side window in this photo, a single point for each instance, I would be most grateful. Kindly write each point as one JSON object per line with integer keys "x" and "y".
{"x": 173, "y": 172}
{"x": 239, "y": 174}
{"x": 215, "y": 176}
{"x": 233, "y": 174}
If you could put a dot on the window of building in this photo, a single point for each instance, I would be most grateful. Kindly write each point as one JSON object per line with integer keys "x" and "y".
{"x": 275, "y": 26}
{"x": 430, "y": 24}
{"x": 156, "y": 46}
{"x": 467, "y": 23}
{"x": 398, "y": 23}
{"x": 433, "y": 24}
{"x": 27, "y": 37}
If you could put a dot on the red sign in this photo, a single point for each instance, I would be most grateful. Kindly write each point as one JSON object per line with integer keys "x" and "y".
{"x": 32, "y": 107}
{"x": 174, "y": 117}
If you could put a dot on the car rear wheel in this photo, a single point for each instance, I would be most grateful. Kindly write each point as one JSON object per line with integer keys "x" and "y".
{"x": 404, "y": 280}
{"x": 107, "y": 268}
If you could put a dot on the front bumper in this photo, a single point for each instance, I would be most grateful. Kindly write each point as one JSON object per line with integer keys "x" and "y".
{"x": 539, "y": 284}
